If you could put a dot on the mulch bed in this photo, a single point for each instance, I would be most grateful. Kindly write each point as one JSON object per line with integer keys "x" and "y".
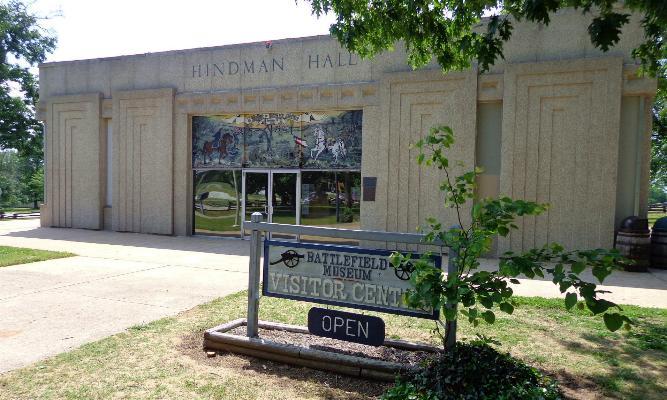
{"x": 354, "y": 388}
{"x": 384, "y": 353}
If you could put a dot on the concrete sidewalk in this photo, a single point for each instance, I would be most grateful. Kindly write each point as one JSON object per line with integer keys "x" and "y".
{"x": 117, "y": 281}
{"x": 123, "y": 279}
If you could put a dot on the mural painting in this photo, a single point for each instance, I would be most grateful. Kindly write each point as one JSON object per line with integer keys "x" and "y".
{"x": 334, "y": 139}
{"x": 273, "y": 140}
{"x": 310, "y": 140}
{"x": 217, "y": 141}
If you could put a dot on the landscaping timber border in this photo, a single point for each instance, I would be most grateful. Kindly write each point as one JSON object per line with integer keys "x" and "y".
{"x": 217, "y": 338}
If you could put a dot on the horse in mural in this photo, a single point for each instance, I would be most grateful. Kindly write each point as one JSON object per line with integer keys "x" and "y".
{"x": 220, "y": 144}
{"x": 338, "y": 150}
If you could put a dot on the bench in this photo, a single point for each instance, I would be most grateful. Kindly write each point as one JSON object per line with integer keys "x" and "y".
{"x": 4, "y": 215}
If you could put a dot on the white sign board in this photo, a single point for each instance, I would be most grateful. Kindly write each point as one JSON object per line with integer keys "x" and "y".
{"x": 337, "y": 275}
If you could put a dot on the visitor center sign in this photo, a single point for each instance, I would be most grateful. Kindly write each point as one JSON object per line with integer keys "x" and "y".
{"x": 338, "y": 275}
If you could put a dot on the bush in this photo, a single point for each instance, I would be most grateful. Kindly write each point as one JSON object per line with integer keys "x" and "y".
{"x": 474, "y": 371}
{"x": 347, "y": 215}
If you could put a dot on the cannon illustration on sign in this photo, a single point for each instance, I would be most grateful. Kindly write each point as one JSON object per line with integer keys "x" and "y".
{"x": 290, "y": 258}
{"x": 404, "y": 271}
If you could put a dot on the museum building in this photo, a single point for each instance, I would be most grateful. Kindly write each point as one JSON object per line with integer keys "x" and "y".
{"x": 193, "y": 141}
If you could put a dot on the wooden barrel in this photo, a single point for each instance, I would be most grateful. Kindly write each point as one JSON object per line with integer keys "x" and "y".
{"x": 636, "y": 246}
{"x": 659, "y": 249}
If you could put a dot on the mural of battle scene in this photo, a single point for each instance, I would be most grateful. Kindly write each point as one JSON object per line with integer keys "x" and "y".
{"x": 311, "y": 140}
{"x": 333, "y": 139}
{"x": 217, "y": 141}
{"x": 273, "y": 140}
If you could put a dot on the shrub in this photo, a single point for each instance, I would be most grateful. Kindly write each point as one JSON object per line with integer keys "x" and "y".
{"x": 474, "y": 371}
{"x": 347, "y": 215}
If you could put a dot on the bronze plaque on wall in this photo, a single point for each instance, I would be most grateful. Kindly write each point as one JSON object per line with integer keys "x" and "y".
{"x": 369, "y": 184}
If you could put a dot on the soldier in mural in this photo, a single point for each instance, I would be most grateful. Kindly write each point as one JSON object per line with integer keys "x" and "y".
{"x": 336, "y": 137}
{"x": 216, "y": 141}
{"x": 273, "y": 140}
{"x": 312, "y": 140}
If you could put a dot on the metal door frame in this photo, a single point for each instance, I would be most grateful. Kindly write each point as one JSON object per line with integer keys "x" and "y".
{"x": 269, "y": 205}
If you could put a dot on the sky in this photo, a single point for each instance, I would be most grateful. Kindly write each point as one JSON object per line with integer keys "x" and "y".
{"x": 105, "y": 28}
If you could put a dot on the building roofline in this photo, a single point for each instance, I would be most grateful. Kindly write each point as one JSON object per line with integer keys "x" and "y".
{"x": 185, "y": 51}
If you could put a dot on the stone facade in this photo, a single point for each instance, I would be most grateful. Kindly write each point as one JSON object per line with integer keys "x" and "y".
{"x": 557, "y": 121}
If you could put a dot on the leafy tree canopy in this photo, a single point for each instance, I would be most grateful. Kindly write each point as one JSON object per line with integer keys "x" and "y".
{"x": 23, "y": 44}
{"x": 659, "y": 137}
{"x": 448, "y": 29}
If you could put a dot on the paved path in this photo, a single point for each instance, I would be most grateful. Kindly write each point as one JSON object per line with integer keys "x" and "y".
{"x": 117, "y": 281}
{"x": 123, "y": 279}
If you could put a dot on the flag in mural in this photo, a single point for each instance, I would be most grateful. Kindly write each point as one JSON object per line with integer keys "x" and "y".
{"x": 309, "y": 140}
{"x": 217, "y": 141}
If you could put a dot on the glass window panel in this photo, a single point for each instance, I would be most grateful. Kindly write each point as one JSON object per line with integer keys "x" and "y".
{"x": 217, "y": 202}
{"x": 256, "y": 195}
{"x": 284, "y": 200}
{"x": 217, "y": 141}
{"x": 333, "y": 139}
{"x": 330, "y": 199}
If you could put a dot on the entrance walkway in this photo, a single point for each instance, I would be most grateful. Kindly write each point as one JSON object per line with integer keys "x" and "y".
{"x": 117, "y": 280}
{"x": 122, "y": 279}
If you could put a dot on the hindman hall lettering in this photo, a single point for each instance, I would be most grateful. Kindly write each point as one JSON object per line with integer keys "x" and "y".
{"x": 270, "y": 65}
{"x": 223, "y": 68}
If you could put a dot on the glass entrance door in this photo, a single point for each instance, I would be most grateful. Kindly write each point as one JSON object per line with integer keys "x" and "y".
{"x": 275, "y": 194}
{"x": 255, "y": 195}
{"x": 284, "y": 200}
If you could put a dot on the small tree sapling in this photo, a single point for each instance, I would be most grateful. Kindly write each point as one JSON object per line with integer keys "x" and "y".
{"x": 475, "y": 293}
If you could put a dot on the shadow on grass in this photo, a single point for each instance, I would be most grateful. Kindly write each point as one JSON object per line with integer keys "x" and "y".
{"x": 634, "y": 367}
{"x": 331, "y": 385}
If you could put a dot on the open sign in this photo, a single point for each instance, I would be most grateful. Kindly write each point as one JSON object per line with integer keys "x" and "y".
{"x": 364, "y": 329}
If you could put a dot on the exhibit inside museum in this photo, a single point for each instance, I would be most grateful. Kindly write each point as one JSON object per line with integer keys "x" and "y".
{"x": 193, "y": 141}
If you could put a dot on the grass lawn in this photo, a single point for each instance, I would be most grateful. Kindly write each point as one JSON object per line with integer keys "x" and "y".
{"x": 19, "y": 255}
{"x": 19, "y": 209}
{"x": 164, "y": 359}
{"x": 653, "y": 216}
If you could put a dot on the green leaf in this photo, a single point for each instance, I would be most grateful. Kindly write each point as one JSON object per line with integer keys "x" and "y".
{"x": 476, "y": 211}
{"x": 570, "y": 300}
{"x": 598, "y": 306}
{"x": 601, "y": 272}
{"x": 613, "y": 321}
{"x": 578, "y": 267}
{"x": 507, "y": 307}
{"x": 450, "y": 314}
{"x": 489, "y": 316}
{"x": 486, "y": 301}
